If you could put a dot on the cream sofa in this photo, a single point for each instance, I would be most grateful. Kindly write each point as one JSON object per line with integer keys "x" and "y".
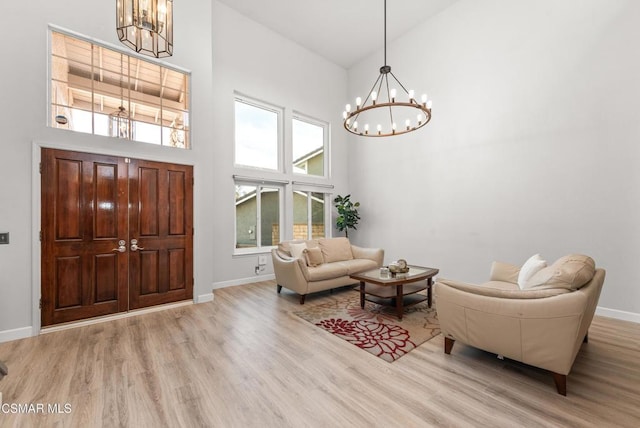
{"x": 338, "y": 260}
{"x": 543, "y": 326}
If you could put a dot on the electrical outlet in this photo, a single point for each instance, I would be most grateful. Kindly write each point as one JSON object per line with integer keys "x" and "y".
{"x": 4, "y": 238}
{"x": 262, "y": 260}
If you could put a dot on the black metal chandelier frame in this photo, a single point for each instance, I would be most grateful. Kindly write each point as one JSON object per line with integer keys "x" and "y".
{"x": 381, "y": 86}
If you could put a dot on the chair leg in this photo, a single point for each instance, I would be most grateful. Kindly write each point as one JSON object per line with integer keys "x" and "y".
{"x": 448, "y": 344}
{"x": 561, "y": 383}
{"x": 279, "y": 288}
{"x": 302, "y": 296}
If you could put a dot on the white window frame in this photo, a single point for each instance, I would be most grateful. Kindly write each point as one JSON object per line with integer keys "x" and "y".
{"x": 326, "y": 146}
{"x": 55, "y": 29}
{"x": 280, "y": 142}
{"x": 259, "y": 184}
{"x": 326, "y": 191}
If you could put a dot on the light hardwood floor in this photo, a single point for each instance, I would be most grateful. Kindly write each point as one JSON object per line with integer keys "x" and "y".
{"x": 245, "y": 360}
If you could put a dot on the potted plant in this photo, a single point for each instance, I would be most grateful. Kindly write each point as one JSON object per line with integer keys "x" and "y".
{"x": 347, "y": 214}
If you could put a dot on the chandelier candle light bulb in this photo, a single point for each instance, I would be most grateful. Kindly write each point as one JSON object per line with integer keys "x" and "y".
{"x": 387, "y": 100}
{"x": 366, "y": 128}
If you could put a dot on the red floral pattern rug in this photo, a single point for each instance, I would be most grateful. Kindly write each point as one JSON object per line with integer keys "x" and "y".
{"x": 376, "y": 328}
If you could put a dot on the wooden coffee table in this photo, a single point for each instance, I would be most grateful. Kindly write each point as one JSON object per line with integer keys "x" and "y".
{"x": 398, "y": 290}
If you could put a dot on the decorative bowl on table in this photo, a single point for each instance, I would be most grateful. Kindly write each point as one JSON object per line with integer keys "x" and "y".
{"x": 399, "y": 266}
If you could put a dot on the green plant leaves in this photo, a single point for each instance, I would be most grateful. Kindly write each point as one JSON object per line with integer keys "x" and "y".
{"x": 348, "y": 216}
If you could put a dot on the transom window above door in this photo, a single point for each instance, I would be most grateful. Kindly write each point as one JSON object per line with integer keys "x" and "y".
{"x": 102, "y": 91}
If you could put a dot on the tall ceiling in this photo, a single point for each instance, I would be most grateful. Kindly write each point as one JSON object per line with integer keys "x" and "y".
{"x": 342, "y": 31}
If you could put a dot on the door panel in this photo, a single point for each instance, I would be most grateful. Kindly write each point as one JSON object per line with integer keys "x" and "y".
{"x": 84, "y": 214}
{"x": 92, "y": 202}
{"x": 161, "y": 220}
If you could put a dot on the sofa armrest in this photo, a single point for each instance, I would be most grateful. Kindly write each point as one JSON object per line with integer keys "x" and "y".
{"x": 504, "y": 272}
{"x": 290, "y": 272}
{"x": 489, "y": 291}
{"x": 375, "y": 254}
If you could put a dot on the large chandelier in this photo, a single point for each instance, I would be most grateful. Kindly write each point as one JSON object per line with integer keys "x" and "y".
{"x": 383, "y": 105}
{"x": 146, "y": 26}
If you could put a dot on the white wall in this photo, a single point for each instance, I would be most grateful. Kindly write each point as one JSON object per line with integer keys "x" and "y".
{"x": 224, "y": 51}
{"x": 254, "y": 61}
{"x": 533, "y": 146}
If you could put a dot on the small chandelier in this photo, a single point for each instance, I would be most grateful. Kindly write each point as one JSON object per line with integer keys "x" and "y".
{"x": 119, "y": 120}
{"x": 146, "y": 26}
{"x": 384, "y": 102}
{"x": 120, "y": 124}
{"x": 176, "y": 136}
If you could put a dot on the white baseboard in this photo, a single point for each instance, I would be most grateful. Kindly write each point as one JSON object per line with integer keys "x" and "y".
{"x": 619, "y": 315}
{"x": 204, "y": 298}
{"x": 15, "y": 334}
{"x": 243, "y": 281}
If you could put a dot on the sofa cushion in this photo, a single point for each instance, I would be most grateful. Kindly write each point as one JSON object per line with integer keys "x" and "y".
{"x": 532, "y": 266}
{"x": 358, "y": 265}
{"x": 335, "y": 249}
{"x": 501, "y": 271}
{"x": 285, "y": 246}
{"x": 327, "y": 271}
{"x": 569, "y": 272}
{"x": 313, "y": 256}
{"x": 297, "y": 249}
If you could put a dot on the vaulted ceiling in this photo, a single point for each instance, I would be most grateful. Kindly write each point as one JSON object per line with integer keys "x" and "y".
{"x": 342, "y": 31}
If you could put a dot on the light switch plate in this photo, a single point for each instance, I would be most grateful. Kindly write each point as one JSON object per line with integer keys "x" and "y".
{"x": 262, "y": 260}
{"x": 4, "y": 238}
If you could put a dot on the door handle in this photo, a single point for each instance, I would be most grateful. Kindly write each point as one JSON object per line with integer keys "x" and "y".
{"x": 121, "y": 246}
{"x": 134, "y": 245}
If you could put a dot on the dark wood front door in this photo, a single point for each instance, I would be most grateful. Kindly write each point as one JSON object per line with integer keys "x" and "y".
{"x": 160, "y": 222}
{"x": 93, "y": 207}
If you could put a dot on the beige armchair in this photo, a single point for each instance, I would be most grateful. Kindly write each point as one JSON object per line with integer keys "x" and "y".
{"x": 543, "y": 326}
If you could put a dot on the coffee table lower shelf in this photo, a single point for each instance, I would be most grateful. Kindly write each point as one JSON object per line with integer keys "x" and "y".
{"x": 399, "y": 296}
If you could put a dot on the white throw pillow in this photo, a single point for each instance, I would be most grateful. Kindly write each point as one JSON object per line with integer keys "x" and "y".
{"x": 532, "y": 266}
{"x": 297, "y": 249}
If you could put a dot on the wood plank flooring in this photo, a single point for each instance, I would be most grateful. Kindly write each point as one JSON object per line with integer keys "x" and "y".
{"x": 245, "y": 360}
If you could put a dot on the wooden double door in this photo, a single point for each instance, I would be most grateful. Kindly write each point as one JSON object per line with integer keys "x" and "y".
{"x": 117, "y": 234}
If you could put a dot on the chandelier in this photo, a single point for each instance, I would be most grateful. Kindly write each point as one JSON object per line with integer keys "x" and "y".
{"x": 146, "y": 26}
{"x": 383, "y": 105}
{"x": 119, "y": 120}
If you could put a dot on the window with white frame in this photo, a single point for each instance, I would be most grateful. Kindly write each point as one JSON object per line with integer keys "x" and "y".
{"x": 265, "y": 194}
{"x": 309, "y": 212}
{"x": 309, "y": 138}
{"x": 258, "y": 215}
{"x": 99, "y": 90}
{"x": 258, "y": 134}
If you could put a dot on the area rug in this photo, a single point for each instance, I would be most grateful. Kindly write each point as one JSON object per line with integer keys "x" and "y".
{"x": 376, "y": 328}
